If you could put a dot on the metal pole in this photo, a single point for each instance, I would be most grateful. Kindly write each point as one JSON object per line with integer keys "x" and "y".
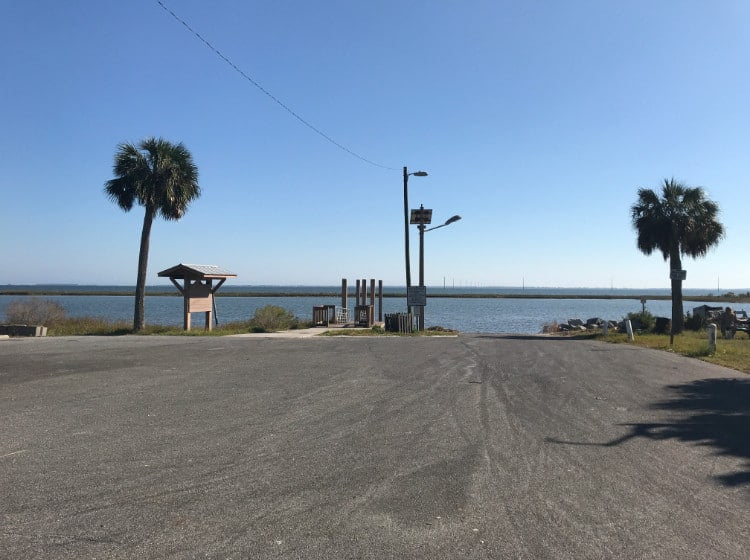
{"x": 421, "y": 254}
{"x": 406, "y": 233}
{"x": 421, "y": 273}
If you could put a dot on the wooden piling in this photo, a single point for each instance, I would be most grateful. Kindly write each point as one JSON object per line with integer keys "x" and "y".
{"x": 380, "y": 301}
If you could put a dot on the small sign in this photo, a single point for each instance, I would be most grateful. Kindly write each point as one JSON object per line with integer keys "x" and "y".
{"x": 677, "y": 274}
{"x": 421, "y": 216}
{"x": 416, "y": 296}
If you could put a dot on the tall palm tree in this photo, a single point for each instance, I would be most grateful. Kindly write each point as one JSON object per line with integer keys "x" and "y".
{"x": 161, "y": 177}
{"x": 682, "y": 221}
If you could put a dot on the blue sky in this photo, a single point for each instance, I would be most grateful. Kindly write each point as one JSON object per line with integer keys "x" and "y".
{"x": 536, "y": 120}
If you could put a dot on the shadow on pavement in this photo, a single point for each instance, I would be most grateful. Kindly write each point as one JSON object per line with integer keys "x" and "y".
{"x": 711, "y": 412}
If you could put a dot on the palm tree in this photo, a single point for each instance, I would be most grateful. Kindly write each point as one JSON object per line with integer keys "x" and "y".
{"x": 161, "y": 177}
{"x": 682, "y": 221}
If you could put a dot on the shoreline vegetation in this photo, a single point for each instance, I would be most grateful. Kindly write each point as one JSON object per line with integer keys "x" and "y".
{"x": 731, "y": 353}
{"x": 728, "y": 297}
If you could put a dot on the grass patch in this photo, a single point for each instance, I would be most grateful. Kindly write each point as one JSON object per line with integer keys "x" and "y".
{"x": 39, "y": 311}
{"x": 237, "y": 327}
{"x": 93, "y": 326}
{"x": 89, "y": 326}
{"x": 734, "y": 353}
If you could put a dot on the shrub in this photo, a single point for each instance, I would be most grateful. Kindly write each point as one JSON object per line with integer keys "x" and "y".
{"x": 642, "y": 321}
{"x": 34, "y": 311}
{"x": 377, "y": 329}
{"x": 663, "y": 325}
{"x": 272, "y": 318}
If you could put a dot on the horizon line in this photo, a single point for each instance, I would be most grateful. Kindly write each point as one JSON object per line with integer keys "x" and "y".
{"x": 400, "y": 286}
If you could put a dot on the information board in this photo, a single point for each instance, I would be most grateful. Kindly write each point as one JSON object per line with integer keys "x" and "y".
{"x": 416, "y": 296}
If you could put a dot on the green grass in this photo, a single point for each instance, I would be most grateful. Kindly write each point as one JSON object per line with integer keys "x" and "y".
{"x": 92, "y": 326}
{"x": 88, "y": 326}
{"x": 238, "y": 327}
{"x": 734, "y": 353}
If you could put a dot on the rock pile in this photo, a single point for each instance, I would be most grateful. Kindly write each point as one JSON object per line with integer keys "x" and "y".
{"x": 579, "y": 325}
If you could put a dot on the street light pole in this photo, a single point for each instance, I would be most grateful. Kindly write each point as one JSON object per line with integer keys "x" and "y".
{"x": 421, "y": 253}
{"x": 406, "y": 226}
{"x": 422, "y": 231}
{"x": 420, "y": 322}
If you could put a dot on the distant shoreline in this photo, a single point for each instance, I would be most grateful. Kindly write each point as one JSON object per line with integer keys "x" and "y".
{"x": 737, "y": 298}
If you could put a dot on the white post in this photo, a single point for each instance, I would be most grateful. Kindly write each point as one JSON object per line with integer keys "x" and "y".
{"x": 605, "y": 327}
{"x": 629, "y": 328}
{"x": 712, "y": 337}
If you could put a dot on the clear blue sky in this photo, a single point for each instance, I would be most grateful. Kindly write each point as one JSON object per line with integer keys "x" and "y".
{"x": 536, "y": 120}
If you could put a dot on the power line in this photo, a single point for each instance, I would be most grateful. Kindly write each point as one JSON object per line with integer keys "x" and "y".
{"x": 268, "y": 93}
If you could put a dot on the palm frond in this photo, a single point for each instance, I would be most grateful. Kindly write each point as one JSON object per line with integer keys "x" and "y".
{"x": 681, "y": 220}
{"x": 156, "y": 174}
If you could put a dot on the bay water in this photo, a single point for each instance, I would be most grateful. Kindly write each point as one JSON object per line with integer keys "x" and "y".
{"x": 471, "y": 313}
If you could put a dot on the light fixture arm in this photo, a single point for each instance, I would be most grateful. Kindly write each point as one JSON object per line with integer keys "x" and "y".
{"x": 448, "y": 222}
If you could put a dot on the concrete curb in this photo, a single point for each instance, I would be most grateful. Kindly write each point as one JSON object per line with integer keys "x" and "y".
{"x": 299, "y": 333}
{"x": 23, "y": 330}
{"x": 317, "y": 331}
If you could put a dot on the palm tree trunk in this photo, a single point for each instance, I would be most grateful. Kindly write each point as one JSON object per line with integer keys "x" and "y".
{"x": 675, "y": 264}
{"x": 139, "y": 317}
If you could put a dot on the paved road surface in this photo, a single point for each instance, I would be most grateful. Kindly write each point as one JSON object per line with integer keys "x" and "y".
{"x": 479, "y": 446}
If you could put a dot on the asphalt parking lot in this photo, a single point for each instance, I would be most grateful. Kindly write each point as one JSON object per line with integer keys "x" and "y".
{"x": 480, "y": 446}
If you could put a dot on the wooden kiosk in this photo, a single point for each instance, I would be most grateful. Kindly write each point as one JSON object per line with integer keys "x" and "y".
{"x": 198, "y": 288}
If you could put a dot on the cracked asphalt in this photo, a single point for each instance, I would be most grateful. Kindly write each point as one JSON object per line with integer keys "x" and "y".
{"x": 478, "y": 446}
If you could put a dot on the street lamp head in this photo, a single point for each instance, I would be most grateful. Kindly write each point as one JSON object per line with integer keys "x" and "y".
{"x": 452, "y": 219}
{"x": 419, "y": 173}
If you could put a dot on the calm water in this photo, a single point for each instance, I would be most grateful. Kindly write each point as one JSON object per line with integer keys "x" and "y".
{"x": 465, "y": 314}
{"x": 232, "y": 288}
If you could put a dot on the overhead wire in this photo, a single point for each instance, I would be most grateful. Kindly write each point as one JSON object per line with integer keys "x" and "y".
{"x": 268, "y": 93}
